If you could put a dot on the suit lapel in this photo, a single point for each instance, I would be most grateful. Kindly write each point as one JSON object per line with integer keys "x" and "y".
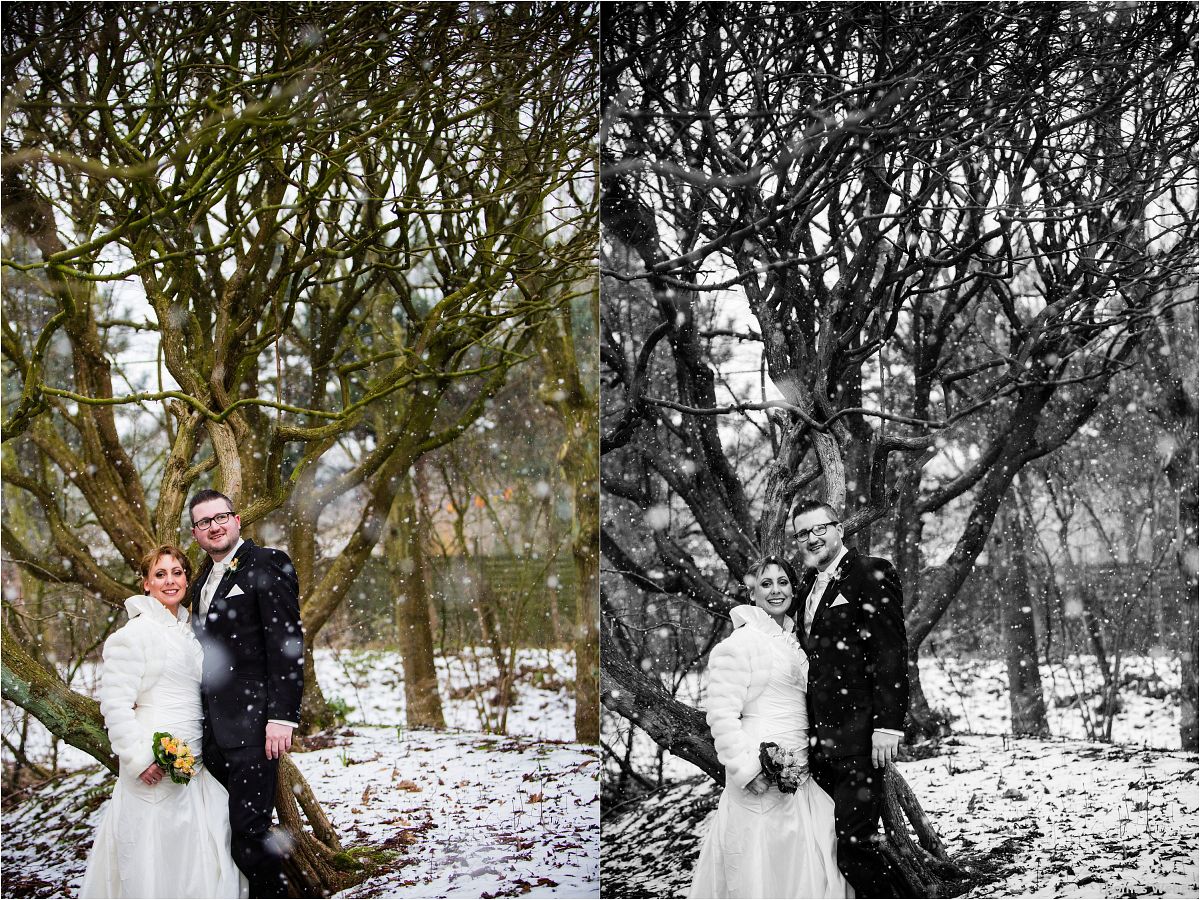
{"x": 196, "y": 590}
{"x": 831, "y": 589}
{"x": 800, "y": 603}
{"x": 804, "y": 588}
{"x": 223, "y": 587}
{"x": 227, "y": 579}
{"x": 226, "y": 583}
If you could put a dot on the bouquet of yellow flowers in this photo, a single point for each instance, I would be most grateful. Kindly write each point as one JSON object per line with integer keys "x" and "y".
{"x": 175, "y": 757}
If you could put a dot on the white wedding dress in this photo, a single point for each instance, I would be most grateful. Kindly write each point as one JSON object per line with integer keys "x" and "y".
{"x": 773, "y": 844}
{"x": 169, "y": 840}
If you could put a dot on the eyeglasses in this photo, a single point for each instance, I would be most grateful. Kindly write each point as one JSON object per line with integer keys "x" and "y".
{"x": 218, "y": 519}
{"x": 818, "y": 530}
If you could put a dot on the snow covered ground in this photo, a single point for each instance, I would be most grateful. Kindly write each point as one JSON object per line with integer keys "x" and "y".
{"x": 1058, "y": 818}
{"x": 1052, "y": 818}
{"x": 464, "y": 813}
{"x": 372, "y": 682}
{"x": 975, "y": 693}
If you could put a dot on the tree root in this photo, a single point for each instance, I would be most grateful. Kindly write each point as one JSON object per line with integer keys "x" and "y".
{"x": 924, "y": 864}
{"x": 316, "y": 864}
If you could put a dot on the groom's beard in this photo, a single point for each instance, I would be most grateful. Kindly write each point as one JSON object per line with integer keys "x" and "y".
{"x": 222, "y": 545}
{"x": 815, "y": 559}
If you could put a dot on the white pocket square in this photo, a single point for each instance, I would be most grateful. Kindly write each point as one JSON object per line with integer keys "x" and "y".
{"x": 838, "y": 601}
{"x": 235, "y": 591}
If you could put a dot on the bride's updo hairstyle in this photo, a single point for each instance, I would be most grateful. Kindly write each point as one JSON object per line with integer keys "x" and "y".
{"x": 757, "y": 567}
{"x": 150, "y": 559}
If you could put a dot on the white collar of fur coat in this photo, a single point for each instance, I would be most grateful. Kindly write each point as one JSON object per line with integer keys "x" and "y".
{"x": 759, "y": 620}
{"x": 143, "y": 605}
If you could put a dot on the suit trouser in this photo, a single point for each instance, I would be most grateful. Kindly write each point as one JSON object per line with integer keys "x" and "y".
{"x": 857, "y": 791}
{"x": 250, "y": 779}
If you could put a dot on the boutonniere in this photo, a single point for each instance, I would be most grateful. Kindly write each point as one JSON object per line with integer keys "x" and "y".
{"x": 233, "y": 566}
{"x": 840, "y": 572}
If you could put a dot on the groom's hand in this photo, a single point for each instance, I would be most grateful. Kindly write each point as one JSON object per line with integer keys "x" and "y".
{"x": 279, "y": 739}
{"x": 884, "y": 748}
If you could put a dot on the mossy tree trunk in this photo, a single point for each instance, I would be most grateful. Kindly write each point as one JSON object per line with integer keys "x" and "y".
{"x": 404, "y": 547}
{"x": 317, "y": 865}
{"x": 68, "y": 715}
{"x": 565, "y": 390}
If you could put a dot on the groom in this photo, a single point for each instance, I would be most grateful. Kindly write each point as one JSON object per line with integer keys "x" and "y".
{"x": 853, "y": 618}
{"x": 246, "y": 613}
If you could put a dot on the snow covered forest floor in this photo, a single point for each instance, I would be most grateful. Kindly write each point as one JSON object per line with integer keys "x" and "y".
{"x": 460, "y": 813}
{"x": 1065, "y": 817}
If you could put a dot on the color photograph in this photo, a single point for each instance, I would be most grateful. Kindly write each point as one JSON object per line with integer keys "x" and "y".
{"x": 300, "y": 436}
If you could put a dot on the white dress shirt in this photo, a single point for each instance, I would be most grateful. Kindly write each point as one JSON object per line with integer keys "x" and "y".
{"x": 220, "y": 567}
{"x": 824, "y": 576}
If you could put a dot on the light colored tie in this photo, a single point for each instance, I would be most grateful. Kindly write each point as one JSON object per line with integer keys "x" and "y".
{"x": 210, "y": 586}
{"x": 814, "y": 598}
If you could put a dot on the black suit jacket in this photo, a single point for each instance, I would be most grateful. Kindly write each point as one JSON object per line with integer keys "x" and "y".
{"x": 253, "y": 647}
{"x": 857, "y": 653}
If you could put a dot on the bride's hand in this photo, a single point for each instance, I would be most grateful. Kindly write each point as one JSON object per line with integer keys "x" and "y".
{"x": 153, "y": 774}
{"x": 759, "y": 785}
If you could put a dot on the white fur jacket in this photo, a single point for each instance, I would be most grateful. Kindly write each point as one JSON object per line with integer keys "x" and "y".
{"x": 738, "y": 670}
{"x": 133, "y": 662}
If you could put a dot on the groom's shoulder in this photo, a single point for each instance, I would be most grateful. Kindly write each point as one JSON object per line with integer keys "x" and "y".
{"x": 268, "y": 556}
{"x": 876, "y": 562}
{"x": 873, "y": 566}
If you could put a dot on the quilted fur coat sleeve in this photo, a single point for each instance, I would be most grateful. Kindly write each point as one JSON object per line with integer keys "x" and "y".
{"x": 733, "y": 680}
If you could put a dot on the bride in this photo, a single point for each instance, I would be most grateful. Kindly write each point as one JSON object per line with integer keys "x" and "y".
{"x": 158, "y": 838}
{"x": 762, "y": 842}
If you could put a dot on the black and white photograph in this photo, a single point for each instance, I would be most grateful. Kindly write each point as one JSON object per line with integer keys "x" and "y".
{"x": 898, "y": 449}
{"x": 300, "y": 442}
